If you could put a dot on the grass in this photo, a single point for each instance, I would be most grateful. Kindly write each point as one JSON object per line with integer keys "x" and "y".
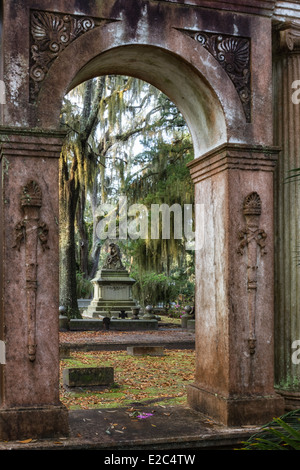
{"x": 142, "y": 379}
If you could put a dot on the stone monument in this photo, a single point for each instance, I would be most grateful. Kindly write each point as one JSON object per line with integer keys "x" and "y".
{"x": 112, "y": 288}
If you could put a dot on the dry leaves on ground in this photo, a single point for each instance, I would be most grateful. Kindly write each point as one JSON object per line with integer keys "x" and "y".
{"x": 137, "y": 379}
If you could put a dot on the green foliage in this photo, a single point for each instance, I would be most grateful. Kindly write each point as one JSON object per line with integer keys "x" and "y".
{"x": 163, "y": 179}
{"x": 152, "y": 288}
{"x": 281, "y": 434}
{"x": 84, "y": 286}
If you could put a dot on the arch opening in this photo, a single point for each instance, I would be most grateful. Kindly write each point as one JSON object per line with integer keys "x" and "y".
{"x": 170, "y": 73}
{"x": 195, "y": 100}
{"x": 170, "y": 315}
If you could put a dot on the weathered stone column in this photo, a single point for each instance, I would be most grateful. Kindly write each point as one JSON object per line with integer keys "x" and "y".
{"x": 234, "y": 381}
{"x": 287, "y": 204}
{"x": 29, "y": 301}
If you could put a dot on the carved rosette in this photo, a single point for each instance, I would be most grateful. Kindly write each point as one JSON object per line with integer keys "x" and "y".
{"x": 233, "y": 54}
{"x": 252, "y": 238}
{"x": 51, "y": 33}
{"x": 31, "y": 230}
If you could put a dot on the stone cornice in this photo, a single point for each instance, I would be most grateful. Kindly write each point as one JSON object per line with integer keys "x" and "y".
{"x": 39, "y": 143}
{"x": 233, "y": 157}
{"x": 255, "y": 7}
{"x": 286, "y": 11}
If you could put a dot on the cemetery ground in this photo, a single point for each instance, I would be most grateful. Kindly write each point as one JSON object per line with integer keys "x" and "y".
{"x": 144, "y": 410}
{"x": 136, "y": 379}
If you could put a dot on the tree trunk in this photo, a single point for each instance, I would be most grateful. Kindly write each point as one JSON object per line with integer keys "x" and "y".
{"x": 96, "y": 243}
{"x": 69, "y": 193}
{"x": 83, "y": 234}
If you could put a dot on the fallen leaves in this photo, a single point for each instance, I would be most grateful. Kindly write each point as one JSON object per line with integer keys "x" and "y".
{"x": 137, "y": 379}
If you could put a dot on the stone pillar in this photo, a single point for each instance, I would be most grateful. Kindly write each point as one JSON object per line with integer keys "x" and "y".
{"x": 287, "y": 204}
{"x": 29, "y": 301}
{"x": 234, "y": 380}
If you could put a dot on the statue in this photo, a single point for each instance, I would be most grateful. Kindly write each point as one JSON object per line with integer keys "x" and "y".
{"x": 113, "y": 260}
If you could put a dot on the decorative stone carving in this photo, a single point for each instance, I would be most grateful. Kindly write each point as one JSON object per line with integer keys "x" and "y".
{"x": 113, "y": 260}
{"x": 252, "y": 211}
{"x": 252, "y": 237}
{"x": 30, "y": 230}
{"x": 290, "y": 37}
{"x": 51, "y": 33}
{"x": 233, "y": 54}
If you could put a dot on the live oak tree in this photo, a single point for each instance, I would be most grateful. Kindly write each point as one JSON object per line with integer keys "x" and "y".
{"x": 101, "y": 116}
{"x": 162, "y": 266}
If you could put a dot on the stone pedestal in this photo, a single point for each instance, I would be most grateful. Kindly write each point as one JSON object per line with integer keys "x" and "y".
{"x": 286, "y": 75}
{"x": 112, "y": 294}
{"x": 29, "y": 300}
{"x": 234, "y": 305}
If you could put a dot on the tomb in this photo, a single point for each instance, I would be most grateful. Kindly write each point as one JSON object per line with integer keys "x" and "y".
{"x": 113, "y": 300}
{"x": 88, "y": 376}
{"x": 112, "y": 289}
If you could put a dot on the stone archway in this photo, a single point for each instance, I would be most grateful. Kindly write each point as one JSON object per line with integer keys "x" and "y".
{"x": 209, "y": 62}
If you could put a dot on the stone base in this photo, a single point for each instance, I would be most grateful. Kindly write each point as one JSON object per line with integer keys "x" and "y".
{"x": 63, "y": 322}
{"x": 235, "y": 411}
{"x": 191, "y": 325}
{"x": 94, "y": 324}
{"x": 291, "y": 399}
{"x": 38, "y": 422}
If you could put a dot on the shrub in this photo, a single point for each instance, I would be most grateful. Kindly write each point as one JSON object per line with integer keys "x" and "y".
{"x": 281, "y": 434}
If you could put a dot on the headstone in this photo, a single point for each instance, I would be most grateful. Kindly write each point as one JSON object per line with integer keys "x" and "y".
{"x": 88, "y": 376}
{"x": 191, "y": 325}
{"x": 188, "y": 315}
{"x": 64, "y": 352}
{"x": 145, "y": 350}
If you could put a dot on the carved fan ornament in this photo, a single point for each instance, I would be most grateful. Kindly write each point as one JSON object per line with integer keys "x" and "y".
{"x": 252, "y": 232}
{"x": 252, "y": 204}
{"x": 51, "y": 33}
{"x": 233, "y": 54}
